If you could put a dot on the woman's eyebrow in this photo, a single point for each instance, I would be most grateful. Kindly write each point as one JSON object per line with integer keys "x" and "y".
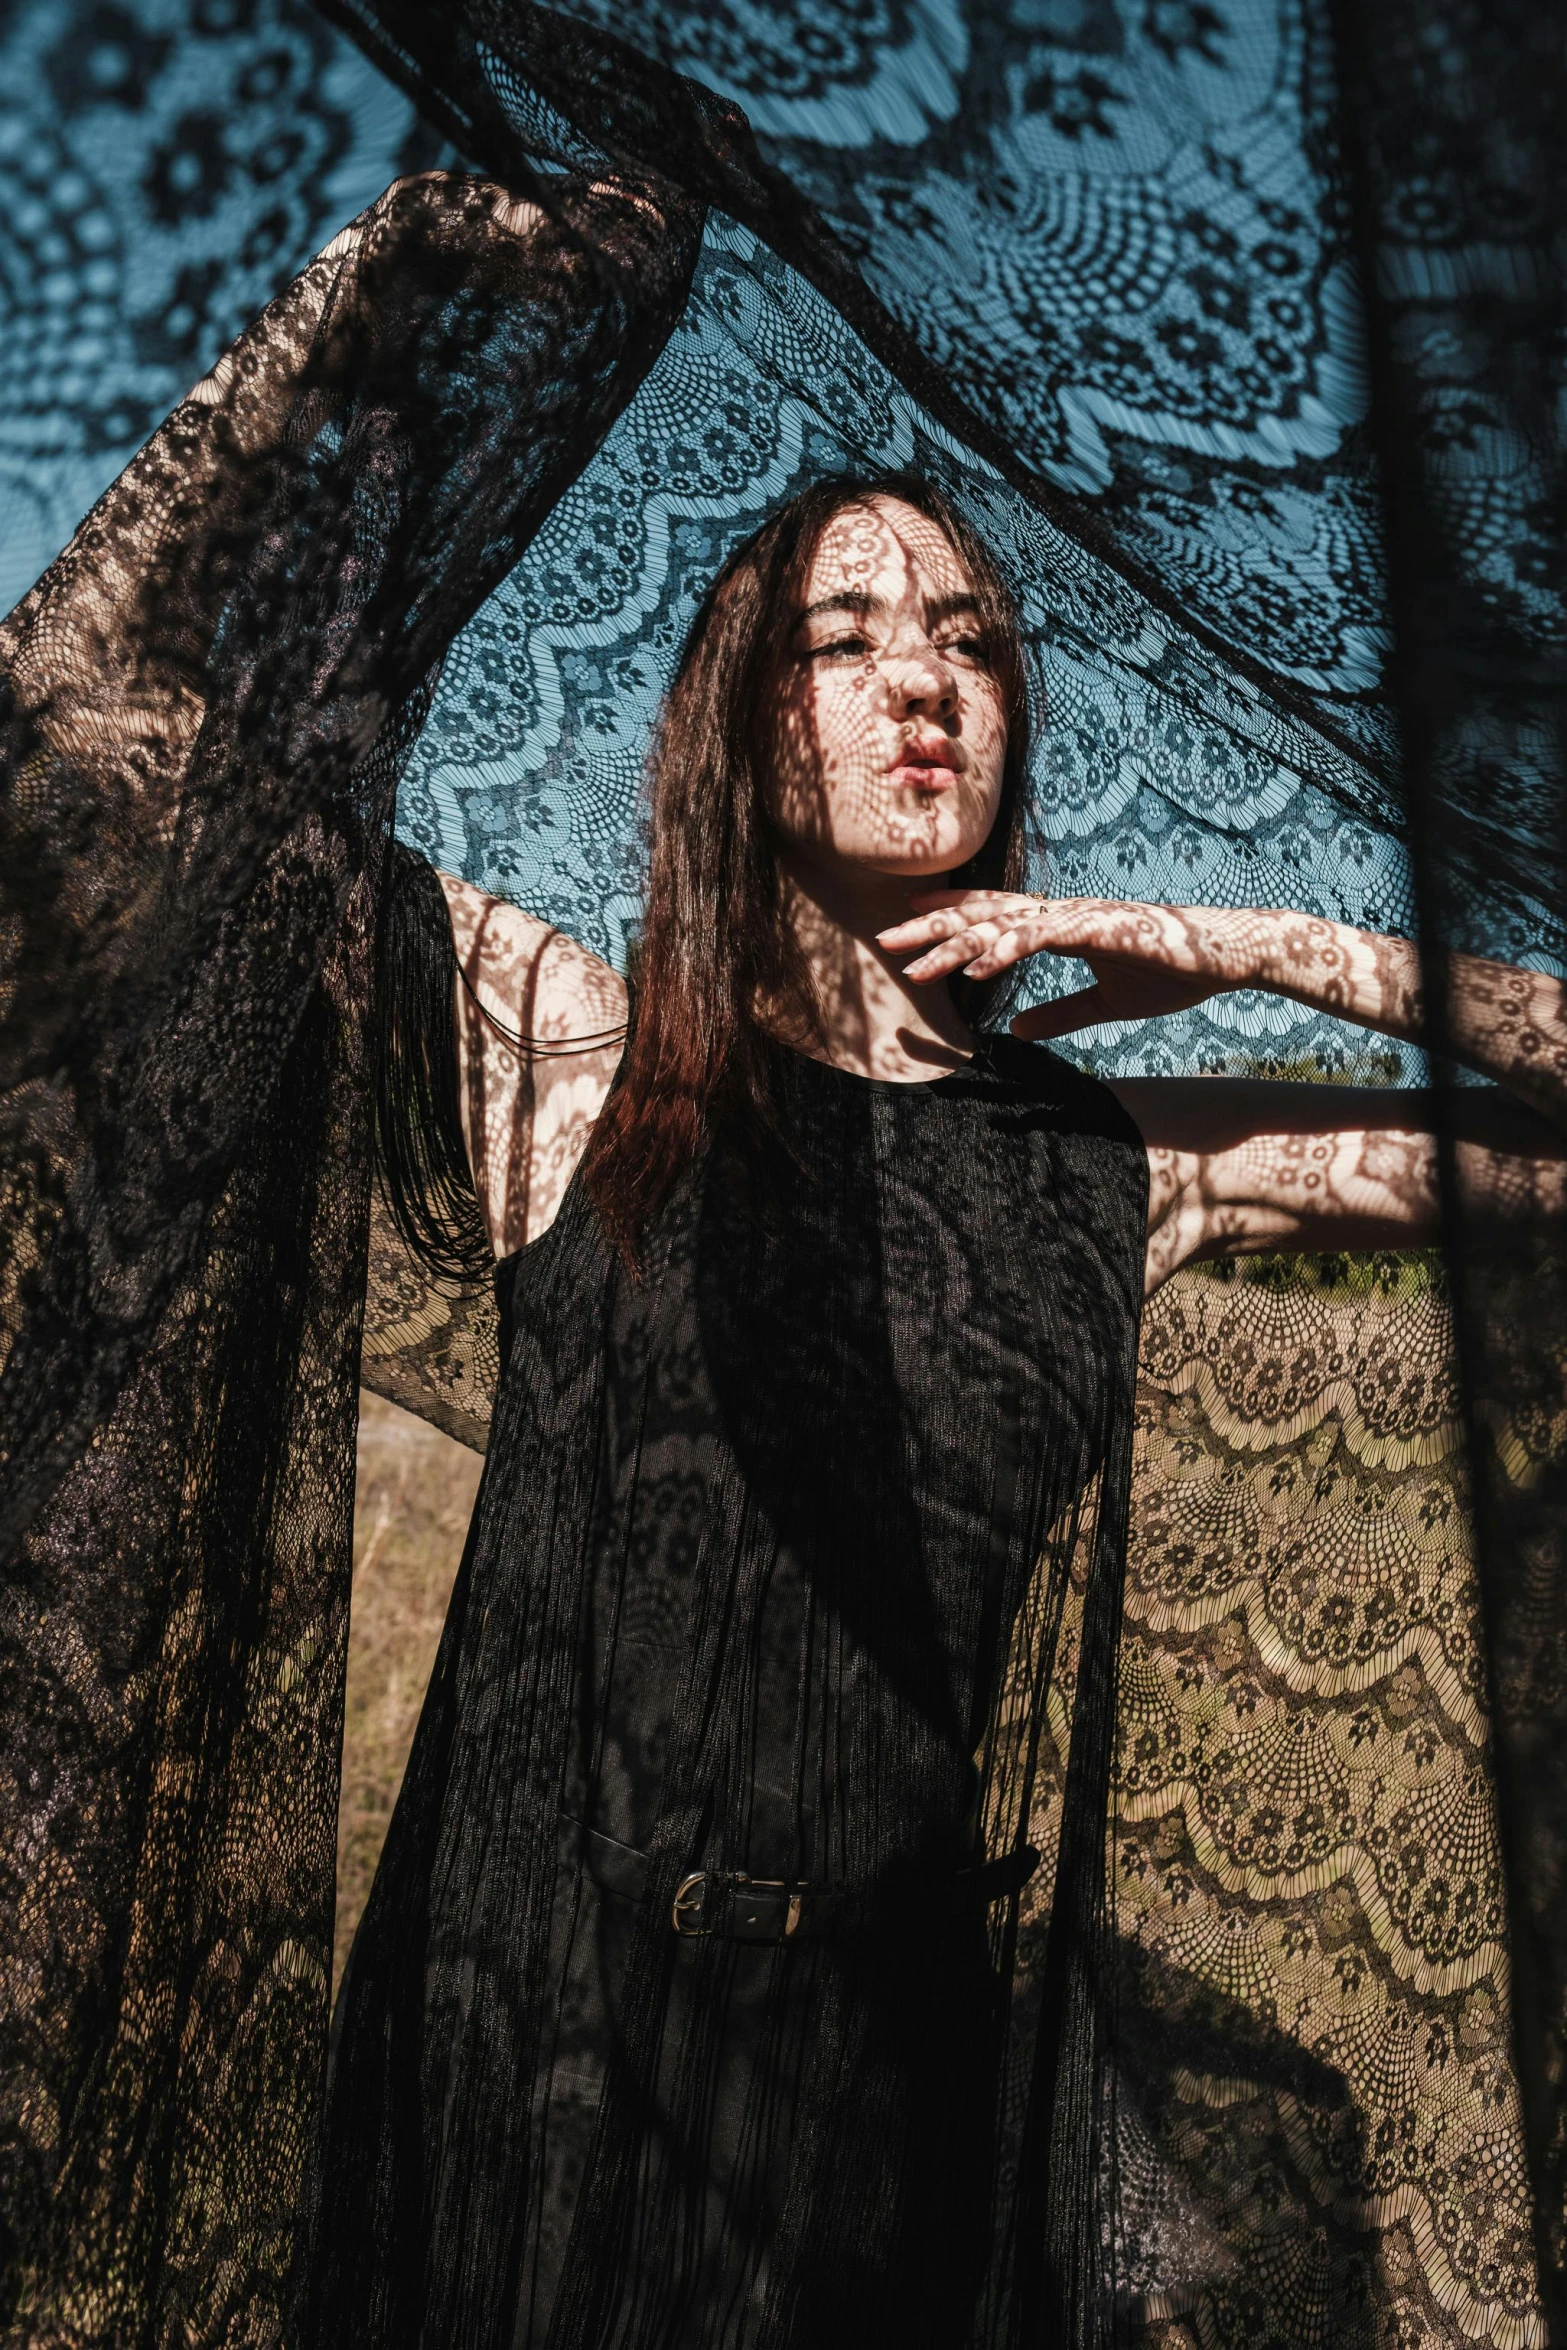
{"x": 854, "y": 600}
{"x": 946, "y": 607}
{"x": 862, "y": 604}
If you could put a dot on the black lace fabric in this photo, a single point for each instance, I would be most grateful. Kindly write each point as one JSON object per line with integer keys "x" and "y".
{"x": 1294, "y": 651}
{"x": 208, "y": 696}
{"x": 1462, "y": 217}
{"x": 666, "y": 1634}
{"x": 1321, "y": 2124}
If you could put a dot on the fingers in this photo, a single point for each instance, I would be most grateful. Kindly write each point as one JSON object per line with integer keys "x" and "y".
{"x": 920, "y": 930}
{"x": 1065, "y": 925}
{"x": 944, "y": 912}
{"x": 979, "y": 950}
{"x": 976, "y": 943}
{"x": 977, "y": 931}
{"x": 1085, "y": 1008}
{"x": 983, "y": 931}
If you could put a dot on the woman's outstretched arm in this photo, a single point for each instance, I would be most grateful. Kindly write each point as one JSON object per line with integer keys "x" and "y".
{"x": 1240, "y": 1165}
{"x": 1508, "y": 1024}
{"x": 206, "y": 699}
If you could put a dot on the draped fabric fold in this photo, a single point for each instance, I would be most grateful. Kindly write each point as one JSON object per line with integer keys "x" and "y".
{"x": 207, "y": 704}
{"x": 1452, "y": 151}
{"x": 208, "y": 698}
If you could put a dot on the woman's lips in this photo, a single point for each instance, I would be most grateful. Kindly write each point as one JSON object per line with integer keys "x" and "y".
{"x": 929, "y": 765}
{"x": 923, "y": 775}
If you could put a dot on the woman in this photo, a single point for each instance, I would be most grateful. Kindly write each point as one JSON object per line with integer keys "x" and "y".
{"x": 704, "y": 1992}
{"x": 690, "y": 2003}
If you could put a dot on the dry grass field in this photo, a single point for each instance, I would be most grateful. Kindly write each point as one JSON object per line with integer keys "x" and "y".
{"x": 412, "y": 1503}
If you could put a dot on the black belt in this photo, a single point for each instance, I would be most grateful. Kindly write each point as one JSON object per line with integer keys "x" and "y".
{"x": 742, "y": 1908}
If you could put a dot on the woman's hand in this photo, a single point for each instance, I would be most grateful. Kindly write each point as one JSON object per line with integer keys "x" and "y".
{"x": 1507, "y": 1023}
{"x": 1146, "y": 960}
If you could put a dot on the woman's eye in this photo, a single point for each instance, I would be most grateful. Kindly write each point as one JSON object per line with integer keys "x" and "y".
{"x": 853, "y": 646}
{"x": 968, "y": 648}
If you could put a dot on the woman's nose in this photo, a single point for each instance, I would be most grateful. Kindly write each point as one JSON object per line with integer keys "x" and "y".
{"x": 921, "y": 683}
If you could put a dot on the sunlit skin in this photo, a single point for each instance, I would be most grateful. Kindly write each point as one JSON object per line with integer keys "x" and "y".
{"x": 889, "y": 738}
{"x": 888, "y": 742}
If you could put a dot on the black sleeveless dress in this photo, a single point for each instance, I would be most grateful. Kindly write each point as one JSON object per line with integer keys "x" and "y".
{"x": 691, "y": 2004}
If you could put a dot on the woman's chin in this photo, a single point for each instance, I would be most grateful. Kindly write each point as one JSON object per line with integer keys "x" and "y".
{"x": 932, "y": 863}
{"x": 933, "y": 869}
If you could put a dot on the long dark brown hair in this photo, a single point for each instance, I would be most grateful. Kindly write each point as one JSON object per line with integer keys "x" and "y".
{"x": 715, "y": 944}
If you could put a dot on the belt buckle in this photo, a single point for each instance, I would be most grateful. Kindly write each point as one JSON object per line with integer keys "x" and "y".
{"x": 686, "y": 1909}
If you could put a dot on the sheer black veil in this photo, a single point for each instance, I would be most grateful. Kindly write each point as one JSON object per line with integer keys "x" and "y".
{"x": 208, "y": 701}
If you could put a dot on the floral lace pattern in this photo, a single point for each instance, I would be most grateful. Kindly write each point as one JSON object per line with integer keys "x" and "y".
{"x": 1092, "y": 265}
{"x": 167, "y": 166}
{"x": 1156, "y": 776}
{"x": 1319, "y": 2109}
{"x": 1306, "y": 1850}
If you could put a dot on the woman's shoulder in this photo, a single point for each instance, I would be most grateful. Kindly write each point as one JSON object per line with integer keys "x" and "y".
{"x": 528, "y": 973}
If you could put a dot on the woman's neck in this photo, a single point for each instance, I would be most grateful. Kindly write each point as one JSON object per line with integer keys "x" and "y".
{"x": 873, "y": 1020}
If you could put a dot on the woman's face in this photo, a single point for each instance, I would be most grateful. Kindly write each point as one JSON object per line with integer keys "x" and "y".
{"x": 889, "y": 733}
